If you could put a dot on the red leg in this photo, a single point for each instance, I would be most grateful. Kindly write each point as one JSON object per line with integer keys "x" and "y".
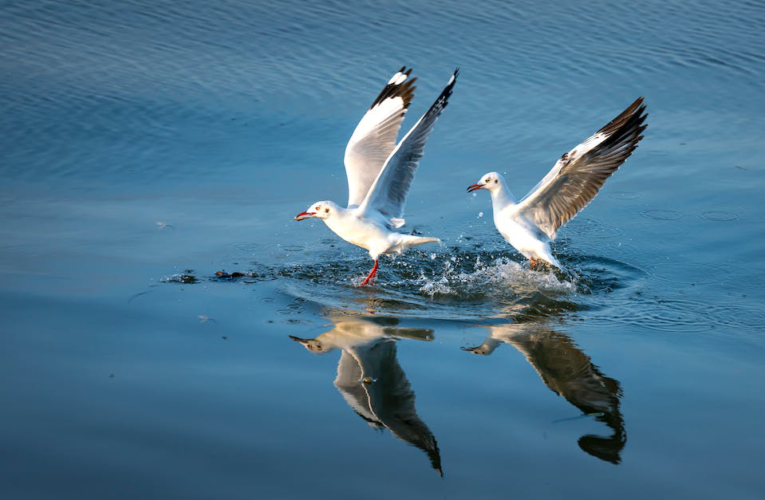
{"x": 371, "y": 275}
{"x": 534, "y": 263}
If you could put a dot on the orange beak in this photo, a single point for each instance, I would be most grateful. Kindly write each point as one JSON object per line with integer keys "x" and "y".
{"x": 474, "y": 187}
{"x": 304, "y": 215}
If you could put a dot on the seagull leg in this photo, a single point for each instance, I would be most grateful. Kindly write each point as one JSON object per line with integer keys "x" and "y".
{"x": 534, "y": 263}
{"x": 371, "y": 275}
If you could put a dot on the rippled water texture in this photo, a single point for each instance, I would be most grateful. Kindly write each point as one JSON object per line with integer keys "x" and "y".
{"x": 167, "y": 330}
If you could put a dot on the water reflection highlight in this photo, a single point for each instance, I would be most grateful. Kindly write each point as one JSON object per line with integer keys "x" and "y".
{"x": 371, "y": 380}
{"x": 570, "y": 373}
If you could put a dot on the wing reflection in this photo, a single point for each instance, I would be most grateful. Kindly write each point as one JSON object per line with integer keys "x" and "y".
{"x": 372, "y": 381}
{"x": 570, "y": 373}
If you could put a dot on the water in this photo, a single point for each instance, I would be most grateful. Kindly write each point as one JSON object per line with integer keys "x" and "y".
{"x": 148, "y": 145}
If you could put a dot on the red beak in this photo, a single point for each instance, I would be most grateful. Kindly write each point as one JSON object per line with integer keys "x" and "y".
{"x": 304, "y": 215}
{"x": 474, "y": 187}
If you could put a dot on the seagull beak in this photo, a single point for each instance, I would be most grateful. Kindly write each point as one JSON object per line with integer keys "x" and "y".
{"x": 474, "y": 350}
{"x": 305, "y": 215}
{"x": 474, "y": 187}
{"x": 298, "y": 339}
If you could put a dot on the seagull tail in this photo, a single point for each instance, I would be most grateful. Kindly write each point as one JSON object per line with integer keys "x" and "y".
{"x": 413, "y": 241}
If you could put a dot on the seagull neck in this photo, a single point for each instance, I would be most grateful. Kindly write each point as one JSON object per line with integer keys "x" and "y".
{"x": 502, "y": 197}
{"x": 339, "y": 215}
{"x": 490, "y": 344}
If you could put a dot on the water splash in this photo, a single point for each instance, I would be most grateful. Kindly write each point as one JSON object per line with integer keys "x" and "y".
{"x": 451, "y": 283}
{"x": 499, "y": 275}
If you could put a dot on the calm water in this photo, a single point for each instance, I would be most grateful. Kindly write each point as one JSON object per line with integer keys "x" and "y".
{"x": 147, "y": 145}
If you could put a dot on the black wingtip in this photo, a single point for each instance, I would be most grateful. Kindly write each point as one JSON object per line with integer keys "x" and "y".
{"x": 628, "y": 127}
{"x": 404, "y": 89}
{"x": 636, "y": 108}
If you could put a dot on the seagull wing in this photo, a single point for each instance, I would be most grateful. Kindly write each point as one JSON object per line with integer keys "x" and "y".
{"x": 580, "y": 173}
{"x": 375, "y": 136}
{"x": 388, "y": 193}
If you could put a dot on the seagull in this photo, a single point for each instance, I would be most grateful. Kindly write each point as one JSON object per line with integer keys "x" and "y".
{"x": 380, "y": 172}
{"x": 531, "y": 224}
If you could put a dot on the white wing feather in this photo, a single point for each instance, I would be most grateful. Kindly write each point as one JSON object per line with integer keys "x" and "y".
{"x": 375, "y": 136}
{"x": 580, "y": 173}
{"x": 388, "y": 193}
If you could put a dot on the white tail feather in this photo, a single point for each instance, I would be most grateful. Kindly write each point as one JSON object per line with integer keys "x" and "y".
{"x": 413, "y": 241}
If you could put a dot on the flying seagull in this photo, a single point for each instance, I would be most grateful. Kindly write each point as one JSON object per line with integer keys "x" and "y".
{"x": 380, "y": 172}
{"x": 531, "y": 224}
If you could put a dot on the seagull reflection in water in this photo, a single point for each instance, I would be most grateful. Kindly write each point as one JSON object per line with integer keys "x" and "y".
{"x": 570, "y": 373}
{"x": 372, "y": 381}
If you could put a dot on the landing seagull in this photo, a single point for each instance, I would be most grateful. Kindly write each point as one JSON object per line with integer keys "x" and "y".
{"x": 380, "y": 172}
{"x": 531, "y": 224}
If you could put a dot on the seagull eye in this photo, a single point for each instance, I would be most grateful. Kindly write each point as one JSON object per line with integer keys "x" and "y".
{"x": 326, "y": 210}
{"x": 495, "y": 181}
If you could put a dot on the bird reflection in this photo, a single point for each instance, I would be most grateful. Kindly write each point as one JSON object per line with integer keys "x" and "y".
{"x": 371, "y": 380}
{"x": 570, "y": 373}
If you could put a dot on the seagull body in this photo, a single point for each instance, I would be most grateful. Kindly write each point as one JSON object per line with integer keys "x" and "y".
{"x": 380, "y": 172}
{"x": 371, "y": 231}
{"x": 532, "y": 223}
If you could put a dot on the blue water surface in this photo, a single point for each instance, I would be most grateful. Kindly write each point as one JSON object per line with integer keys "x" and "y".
{"x": 147, "y": 145}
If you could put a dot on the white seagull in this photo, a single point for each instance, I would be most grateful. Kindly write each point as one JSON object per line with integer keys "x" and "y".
{"x": 380, "y": 172}
{"x": 531, "y": 224}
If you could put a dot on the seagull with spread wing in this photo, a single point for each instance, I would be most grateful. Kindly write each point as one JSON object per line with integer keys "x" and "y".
{"x": 531, "y": 224}
{"x": 380, "y": 172}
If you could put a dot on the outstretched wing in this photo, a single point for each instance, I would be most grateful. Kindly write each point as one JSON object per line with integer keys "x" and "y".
{"x": 375, "y": 136}
{"x": 580, "y": 173}
{"x": 388, "y": 193}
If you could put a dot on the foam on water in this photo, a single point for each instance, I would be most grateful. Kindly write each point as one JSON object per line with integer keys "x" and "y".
{"x": 502, "y": 274}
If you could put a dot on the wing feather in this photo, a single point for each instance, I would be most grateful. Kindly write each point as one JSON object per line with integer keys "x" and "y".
{"x": 375, "y": 136}
{"x": 388, "y": 193}
{"x": 580, "y": 173}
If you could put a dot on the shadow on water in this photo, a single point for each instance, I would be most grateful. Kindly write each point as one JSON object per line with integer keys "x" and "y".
{"x": 568, "y": 372}
{"x": 371, "y": 380}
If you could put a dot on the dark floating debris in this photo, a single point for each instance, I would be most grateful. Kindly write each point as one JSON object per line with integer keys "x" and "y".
{"x": 185, "y": 278}
{"x": 223, "y": 275}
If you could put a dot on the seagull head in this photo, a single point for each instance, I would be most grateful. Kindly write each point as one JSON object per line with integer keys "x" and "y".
{"x": 481, "y": 350}
{"x": 313, "y": 345}
{"x": 320, "y": 210}
{"x": 491, "y": 181}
